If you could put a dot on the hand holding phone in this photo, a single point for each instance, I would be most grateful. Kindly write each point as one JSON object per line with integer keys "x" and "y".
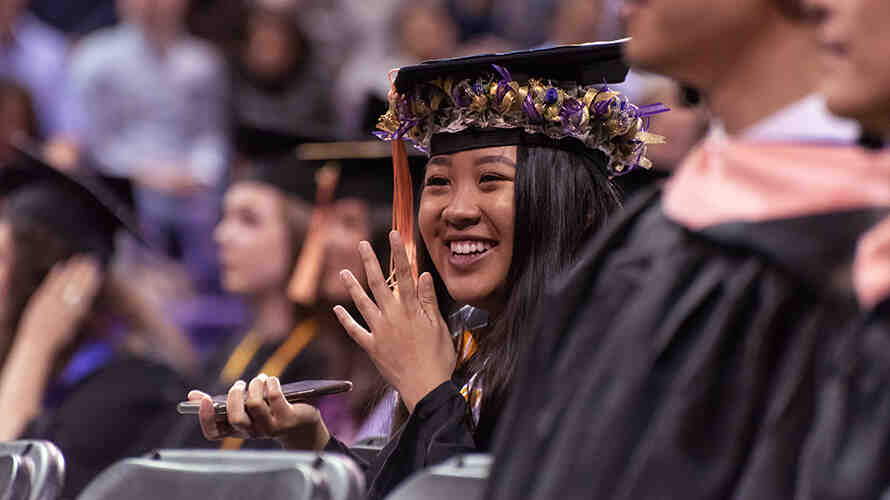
{"x": 302, "y": 391}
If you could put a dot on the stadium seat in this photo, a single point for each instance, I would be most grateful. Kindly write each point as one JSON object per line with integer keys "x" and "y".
{"x": 462, "y": 477}
{"x": 30, "y": 470}
{"x": 229, "y": 475}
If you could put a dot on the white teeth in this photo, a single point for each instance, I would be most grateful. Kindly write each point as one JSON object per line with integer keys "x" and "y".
{"x": 468, "y": 247}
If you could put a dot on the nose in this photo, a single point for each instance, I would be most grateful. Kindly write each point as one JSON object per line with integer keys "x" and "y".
{"x": 462, "y": 210}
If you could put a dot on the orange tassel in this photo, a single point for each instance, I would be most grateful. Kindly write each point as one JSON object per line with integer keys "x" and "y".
{"x": 303, "y": 287}
{"x": 403, "y": 204}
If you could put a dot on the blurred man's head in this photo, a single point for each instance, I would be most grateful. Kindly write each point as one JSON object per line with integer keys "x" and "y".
{"x": 855, "y": 38}
{"x": 694, "y": 41}
{"x": 159, "y": 17}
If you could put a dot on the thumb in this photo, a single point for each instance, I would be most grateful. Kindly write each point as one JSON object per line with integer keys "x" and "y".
{"x": 426, "y": 291}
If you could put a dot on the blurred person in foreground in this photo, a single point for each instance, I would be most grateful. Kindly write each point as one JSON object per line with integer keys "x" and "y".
{"x": 269, "y": 234}
{"x": 682, "y": 356}
{"x": 851, "y": 461}
{"x": 66, "y": 376}
{"x": 155, "y": 99}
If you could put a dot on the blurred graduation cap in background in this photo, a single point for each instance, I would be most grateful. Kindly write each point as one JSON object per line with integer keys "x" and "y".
{"x": 85, "y": 210}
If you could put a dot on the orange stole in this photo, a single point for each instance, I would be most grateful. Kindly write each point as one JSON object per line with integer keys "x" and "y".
{"x": 472, "y": 390}
{"x": 298, "y": 339}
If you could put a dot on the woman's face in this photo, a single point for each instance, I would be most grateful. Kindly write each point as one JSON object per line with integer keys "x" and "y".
{"x": 255, "y": 247}
{"x": 349, "y": 224}
{"x": 466, "y": 219}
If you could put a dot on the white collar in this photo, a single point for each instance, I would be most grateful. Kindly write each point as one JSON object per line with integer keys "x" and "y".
{"x": 807, "y": 120}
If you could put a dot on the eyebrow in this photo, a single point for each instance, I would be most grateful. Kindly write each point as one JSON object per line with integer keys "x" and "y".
{"x": 446, "y": 162}
{"x": 494, "y": 159}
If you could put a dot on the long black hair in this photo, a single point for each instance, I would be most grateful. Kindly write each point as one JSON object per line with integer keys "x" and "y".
{"x": 561, "y": 199}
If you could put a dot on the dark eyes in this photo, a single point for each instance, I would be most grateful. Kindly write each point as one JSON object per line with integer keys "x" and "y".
{"x": 443, "y": 181}
{"x": 436, "y": 181}
{"x": 492, "y": 178}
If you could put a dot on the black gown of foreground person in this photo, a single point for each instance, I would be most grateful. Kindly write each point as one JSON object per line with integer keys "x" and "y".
{"x": 696, "y": 364}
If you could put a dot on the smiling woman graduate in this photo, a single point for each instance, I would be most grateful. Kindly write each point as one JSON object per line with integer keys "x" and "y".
{"x": 521, "y": 150}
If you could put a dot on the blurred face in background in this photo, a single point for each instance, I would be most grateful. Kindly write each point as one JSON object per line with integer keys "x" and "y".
{"x": 426, "y": 32}
{"x": 161, "y": 18}
{"x": 273, "y": 47}
{"x": 691, "y": 40}
{"x": 256, "y": 242}
{"x": 577, "y": 21}
{"x": 348, "y": 224}
{"x": 855, "y": 39}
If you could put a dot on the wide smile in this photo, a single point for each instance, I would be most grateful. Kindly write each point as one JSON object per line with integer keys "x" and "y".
{"x": 464, "y": 254}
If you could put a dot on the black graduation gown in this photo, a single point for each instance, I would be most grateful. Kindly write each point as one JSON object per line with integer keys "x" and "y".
{"x": 121, "y": 410}
{"x": 441, "y": 427}
{"x": 680, "y": 364}
{"x": 849, "y": 452}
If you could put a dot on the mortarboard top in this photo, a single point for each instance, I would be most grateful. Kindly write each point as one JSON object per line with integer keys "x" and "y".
{"x": 556, "y": 97}
{"x": 85, "y": 210}
{"x": 584, "y": 64}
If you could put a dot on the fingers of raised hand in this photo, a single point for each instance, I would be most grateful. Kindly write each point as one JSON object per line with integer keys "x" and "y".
{"x": 426, "y": 293}
{"x": 404, "y": 276}
{"x": 365, "y": 305}
{"x": 362, "y": 337}
{"x": 382, "y": 294}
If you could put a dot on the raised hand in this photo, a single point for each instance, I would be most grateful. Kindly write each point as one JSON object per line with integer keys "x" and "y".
{"x": 408, "y": 338}
{"x": 55, "y": 311}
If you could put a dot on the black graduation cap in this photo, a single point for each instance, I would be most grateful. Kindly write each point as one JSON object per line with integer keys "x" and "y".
{"x": 583, "y": 64}
{"x": 365, "y": 167}
{"x": 365, "y": 170}
{"x": 85, "y": 210}
{"x": 294, "y": 177}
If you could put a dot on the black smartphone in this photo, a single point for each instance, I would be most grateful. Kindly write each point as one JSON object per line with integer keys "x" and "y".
{"x": 302, "y": 391}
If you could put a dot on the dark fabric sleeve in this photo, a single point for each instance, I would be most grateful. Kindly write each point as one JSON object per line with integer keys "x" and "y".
{"x": 336, "y": 446}
{"x": 116, "y": 413}
{"x": 441, "y": 427}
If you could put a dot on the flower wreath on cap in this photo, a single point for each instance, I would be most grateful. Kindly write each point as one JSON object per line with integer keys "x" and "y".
{"x": 598, "y": 117}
